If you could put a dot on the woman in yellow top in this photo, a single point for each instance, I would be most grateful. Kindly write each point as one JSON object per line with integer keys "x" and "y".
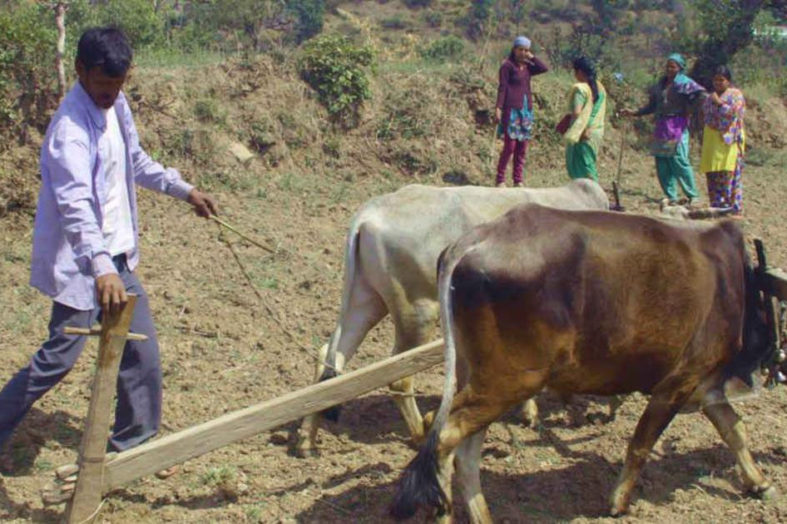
{"x": 587, "y": 107}
{"x": 723, "y": 142}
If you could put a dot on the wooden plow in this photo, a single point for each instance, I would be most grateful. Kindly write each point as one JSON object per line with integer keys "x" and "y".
{"x": 96, "y": 473}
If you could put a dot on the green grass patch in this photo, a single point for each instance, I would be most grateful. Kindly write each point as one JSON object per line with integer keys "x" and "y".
{"x": 219, "y": 475}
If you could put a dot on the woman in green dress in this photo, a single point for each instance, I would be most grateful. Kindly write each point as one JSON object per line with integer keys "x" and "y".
{"x": 587, "y": 109}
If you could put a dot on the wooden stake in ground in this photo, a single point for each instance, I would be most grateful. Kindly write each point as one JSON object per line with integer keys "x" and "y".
{"x": 93, "y": 449}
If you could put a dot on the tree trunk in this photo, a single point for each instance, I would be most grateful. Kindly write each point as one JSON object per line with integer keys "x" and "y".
{"x": 60, "y": 22}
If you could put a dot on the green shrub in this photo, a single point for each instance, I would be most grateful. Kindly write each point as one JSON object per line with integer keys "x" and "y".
{"x": 443, "y": 48}
{"x": 137, "y": 18}
{"x": 405, "y": 115}
{"x": 413, "y": 163}
{"x": 262, "y": 137}
{"x": 433, "y": 18}
{"x": 207, "y": 110}
{"x": 27, "y": 77}
{"x": 336, "y": 68}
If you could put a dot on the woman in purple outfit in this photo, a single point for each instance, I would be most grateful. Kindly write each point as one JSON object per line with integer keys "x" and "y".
{"x": 514, "y": 108}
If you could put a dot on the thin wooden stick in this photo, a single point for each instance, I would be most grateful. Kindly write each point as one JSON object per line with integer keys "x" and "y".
{"x": 270, "y": 310}
{"x": 242, "y": 235}
{"x": 620, "y": 153}
{"x": 96, "y": 330}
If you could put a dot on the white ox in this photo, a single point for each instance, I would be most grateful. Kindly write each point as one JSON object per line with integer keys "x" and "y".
{"x": 390, "y": 267}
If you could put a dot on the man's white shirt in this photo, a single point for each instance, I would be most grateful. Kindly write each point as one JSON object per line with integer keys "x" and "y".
{"x": 117, "y": 228}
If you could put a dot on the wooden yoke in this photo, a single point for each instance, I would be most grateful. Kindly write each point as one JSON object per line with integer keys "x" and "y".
{"x": 92, "y": 451}
{"x": 770, "y": 282}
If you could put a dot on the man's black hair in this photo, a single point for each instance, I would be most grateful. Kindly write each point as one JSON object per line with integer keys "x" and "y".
{"x": 107, "y": 48}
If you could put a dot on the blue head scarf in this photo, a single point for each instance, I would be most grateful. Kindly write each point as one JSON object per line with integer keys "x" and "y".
{"x": 678, "y": 59}
{"x": 682, "y": 82}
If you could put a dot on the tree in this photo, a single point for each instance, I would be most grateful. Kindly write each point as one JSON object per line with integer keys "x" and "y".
{"x": 308, "y": 16}
{"x": 726, "y": 27}
{"x": 479, "y": 17}
{"x": 261, "y": 21}
{"x": 608, "y": 12}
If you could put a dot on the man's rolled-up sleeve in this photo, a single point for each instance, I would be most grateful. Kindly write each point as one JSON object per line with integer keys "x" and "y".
{"x": 147, "y": 172}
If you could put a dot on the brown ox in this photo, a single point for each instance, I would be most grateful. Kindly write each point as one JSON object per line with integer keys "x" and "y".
{"x": 587, "y": 302}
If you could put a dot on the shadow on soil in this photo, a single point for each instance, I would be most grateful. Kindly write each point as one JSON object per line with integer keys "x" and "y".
{"x": 577, "y": 487}
{"x": 580, "y": 489}
{"x": 19, "y": 457}
{"x": 372, "y": 419}
{"x": 13, "y": 510}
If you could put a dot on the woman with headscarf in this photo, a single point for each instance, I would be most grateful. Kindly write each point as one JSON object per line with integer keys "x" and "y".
{"x": 671, "y": 101}
{"x": 587, "y": 109}
{"x": 723, "y": 142}
{"x": 514, "y": 108}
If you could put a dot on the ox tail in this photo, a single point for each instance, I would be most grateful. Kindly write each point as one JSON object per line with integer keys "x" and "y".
{"x": 420, "y": 483}
{"x": 350, "y": 262}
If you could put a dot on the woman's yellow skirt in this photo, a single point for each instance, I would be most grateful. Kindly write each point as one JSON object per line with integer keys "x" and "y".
{"x": 716, "y": 155}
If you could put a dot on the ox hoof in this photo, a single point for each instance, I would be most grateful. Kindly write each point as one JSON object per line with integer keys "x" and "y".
{"x": 620, "y": 505}
{"x": 428, "y": 421}
{"x": 304, "y": 448}
{"x": 768, "y": 494}
{"x": 305, "y": 452}
{"x": 417, "y": 440}
{"x": 530, "y": 421}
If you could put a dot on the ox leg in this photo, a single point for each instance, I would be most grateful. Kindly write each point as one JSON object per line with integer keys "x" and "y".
{"x": 468, "y": 472}
{"x": 615, "y": 402}
{"x": 479, "y": 403}
{"x": 414, "y": 326}
{"x": 403, "y": 392}
{"x": 307, "y": 433}
{"x": 529, "y": 413}
{"x": 662, "y": 408}
{"x": 733, "y": 432}
{"x": 365, "y": 310}
{"x": 470, "y": 415}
